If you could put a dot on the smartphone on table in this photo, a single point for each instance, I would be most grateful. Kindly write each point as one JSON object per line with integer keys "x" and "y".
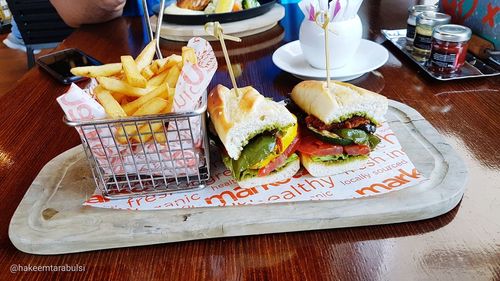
{"x": 59, "y": 64}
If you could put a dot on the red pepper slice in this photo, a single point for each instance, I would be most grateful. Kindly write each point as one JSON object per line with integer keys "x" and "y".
{"x": 278, "y": 161}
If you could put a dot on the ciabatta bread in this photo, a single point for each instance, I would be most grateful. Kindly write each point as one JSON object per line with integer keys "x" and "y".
{"x": 342, "y": 99}
{"x": 322, "y": 169}
{"x": 285, "y": 173}
{"x": 238, "y": 118}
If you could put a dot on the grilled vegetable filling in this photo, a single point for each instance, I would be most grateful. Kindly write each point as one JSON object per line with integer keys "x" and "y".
{"x": 265, "y": 153}
{"x": 339, "y": 141}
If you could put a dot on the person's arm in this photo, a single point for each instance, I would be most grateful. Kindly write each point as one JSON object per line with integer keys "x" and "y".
{"x": 76, "y": 13}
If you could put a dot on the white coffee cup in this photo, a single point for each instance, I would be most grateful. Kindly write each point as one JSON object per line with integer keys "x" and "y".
{"x": 344, "y": 39}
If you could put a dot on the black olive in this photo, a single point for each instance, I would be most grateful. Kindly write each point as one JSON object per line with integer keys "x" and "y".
{"x": 287, "y": 101}
{"x": 369, "y": 128}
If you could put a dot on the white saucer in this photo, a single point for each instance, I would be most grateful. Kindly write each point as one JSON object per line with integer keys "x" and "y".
{"x": 368, "y": 57}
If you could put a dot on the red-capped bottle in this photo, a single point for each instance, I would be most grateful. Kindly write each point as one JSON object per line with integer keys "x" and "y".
{"x": 449, "y": 48}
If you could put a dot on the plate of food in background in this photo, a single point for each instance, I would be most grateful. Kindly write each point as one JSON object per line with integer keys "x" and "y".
{"x": 197, "y": 12}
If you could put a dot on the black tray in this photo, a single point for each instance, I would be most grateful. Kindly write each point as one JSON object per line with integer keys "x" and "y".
{"x": 265, "y": 6}
{"x": 473, "y": 67}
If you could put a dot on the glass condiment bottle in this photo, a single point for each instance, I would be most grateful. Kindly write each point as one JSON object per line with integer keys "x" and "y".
{"x": 449, "y": 48}
{"x": 411, "y": 22}
{"x": 426, "y": 22}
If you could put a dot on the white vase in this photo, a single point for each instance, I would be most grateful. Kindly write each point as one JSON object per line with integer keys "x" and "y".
{"x": 344, "y": 39}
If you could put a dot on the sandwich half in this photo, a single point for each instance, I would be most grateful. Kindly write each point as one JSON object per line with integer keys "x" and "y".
{"x": 259, "y": 136}
{"x": 339, "y": 125}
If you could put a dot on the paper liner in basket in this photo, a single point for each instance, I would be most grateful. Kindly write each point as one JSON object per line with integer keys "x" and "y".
{"x": 180, "y": 155}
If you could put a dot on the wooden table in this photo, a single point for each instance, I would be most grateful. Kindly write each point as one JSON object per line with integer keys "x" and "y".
{"x": 463, "y": 244}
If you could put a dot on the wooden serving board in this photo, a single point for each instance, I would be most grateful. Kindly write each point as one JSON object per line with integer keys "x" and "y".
{"x": 241, "y": 28}
{"x": 51, "y": 219}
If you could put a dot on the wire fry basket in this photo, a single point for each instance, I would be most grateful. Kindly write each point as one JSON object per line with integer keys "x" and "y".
{"x": 148, "y": 154}
{"x": 145, "y": 155}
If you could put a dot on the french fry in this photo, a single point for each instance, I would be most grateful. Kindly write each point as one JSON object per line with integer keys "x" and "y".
{"x": 111, "y": 106}
{"x": 157, "y": 128}
{"x": 173, "y": 76}
{"x": 158, "y": 79}
{"x": 155, "y": 67}
{"x": 145, "y": 132}
{"x": 161, "y": 65}
{"x": 147, "y": 73}
{"x": 139, "y": 87}
{"x": 98, "y": 89}
{"x": 97, "y": 70}
{"x": 123, "y": 102}
{"x": 160, "y": 136}
{"x": 170, "y": 99}
{"x": 118, "y": 76}
{"x": 117, "y": 96}
{"x": 162, "y": 91}
{"x": 132, "y": 73}
{"x": 153, "y": 106}
{"x": 160, "y": 133}
{"x": 188, "y": 55}
{"x": 146, "y": 56}
{"x": 122, "y": 134}
{"x": 122, "y": 87}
